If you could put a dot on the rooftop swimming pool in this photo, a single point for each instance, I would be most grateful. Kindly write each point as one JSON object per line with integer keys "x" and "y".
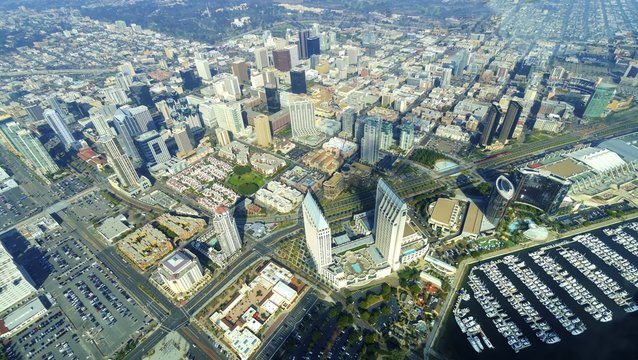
{"x": 356, "y": 267}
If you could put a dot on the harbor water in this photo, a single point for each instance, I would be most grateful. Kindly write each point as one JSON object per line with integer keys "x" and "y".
{"x": 519, "y": 290}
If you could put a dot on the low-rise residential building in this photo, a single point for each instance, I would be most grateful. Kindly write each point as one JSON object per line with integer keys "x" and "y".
{"x": 274, "y": 288}
{"x": 145, "y": 246}
{"x": 323, "y": 160}
{"x": 266, "y": 164}
{"x": 235, "y": 152}
{"x": 334, "y": 186}
{"x": 184, "y": 227}
{"x": 452, "y": 132}
{"x": 278, "y": 197}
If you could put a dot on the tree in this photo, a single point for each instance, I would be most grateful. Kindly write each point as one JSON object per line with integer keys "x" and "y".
{"x": 385, "y": 310}
{"x": 415, "y": 289}
{"x": 241, "y": 170}
{"x": 374, "y": 317}
{"x": 365, "y": 315}
{"x": 334, "y": 310}
{"x": 316, "y": 335}
{"x": 369, "y": 339}
{"x": 344, "y": 321}
{"x": 386, "y": 291}
{"x": 353, "y": 337}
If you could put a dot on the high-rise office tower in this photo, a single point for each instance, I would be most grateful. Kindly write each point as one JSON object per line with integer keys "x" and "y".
{"x": 359, "y": 127}
{"x": 229, "y": 117}
{"x": 223, "y": 138}
{"x": 141, "y": 94}
{"x": 203, "y": 69}
{"x": 540, "y": 189}
{"x": 25, "y": 145}
{"x": 56, "y": 122}
{"x": 313, "y": 46}
{"x": 124, "y": 80}
{"x": 386, "y": 140}
{"x": 127, "y": 68}
{"x": 266, "y": 37}
{"x": 163, "y": 108}
{"x": 302, "y": 117}
{"x": 348, "y": 118}
{"x": 115, "y": 96}
{"x": 317, "y": 231}
{"x": 15, "y": 283}
{"x": 136, "y": 119}
{"x": 390, "y": 216}
{"x": 227, "y": 232}
{"x": 227, "y": 86}
{"x": 125, "y": 133}
{"x": 314, "y": 61}
{"x": 490, "y": 124}
{"x": 293, "y": 49}
{"x": 281, "y": 60}
{"x": 298, "y": 81}
{"x": 406, "y": 140}
{"x": 182, "y": 139}
{"x": 509, "y": 123}
{"x": 324, "y": 41}
{"x": 353, "y": 55}
{"x": 240, "y": 69}
{"x": 35, "y": 112}
{"x": 303, "y": 43}
{"x": 598, "y": 102}
{"x": 100, "y": 118}
{"x": 120, "y": 163}
{"x": 500, "y": 198}
{"x": 261, "y": 58}
{"x": 189, "y": 80}
{"x": 262, "y": 128}
{"x": 152, "y": 148}
{"x": 141, "y": 116}
{"x": 270, "y": 78}
{"x": 272, "y": 98}
{"x": 371, "y": 141}
{"x": 58, "y": 106}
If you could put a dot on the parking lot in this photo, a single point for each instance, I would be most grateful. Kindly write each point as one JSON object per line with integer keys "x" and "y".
{"x": 98, "y": 306}
{"x": 68, "y": 186}
{"x": 15, "y": 206}
{"x": 51, "y": 337}
{"x": 91, "y": 208}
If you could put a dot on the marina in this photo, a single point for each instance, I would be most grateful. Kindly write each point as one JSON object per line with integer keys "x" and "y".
{"x": 552, "y": 299}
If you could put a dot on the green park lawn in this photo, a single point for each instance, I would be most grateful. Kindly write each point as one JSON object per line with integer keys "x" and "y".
{"x": 247, "y": 183}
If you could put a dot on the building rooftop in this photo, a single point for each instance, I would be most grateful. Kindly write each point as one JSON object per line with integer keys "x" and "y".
{"x": 314, "y": 211}
{"x": 446, "y": 212}
{"x": 20, "y": 315}
{"x": 566, "y": 168}
{"x": 178, "y": 261}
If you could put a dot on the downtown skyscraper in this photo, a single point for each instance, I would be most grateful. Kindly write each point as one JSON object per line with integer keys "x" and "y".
{"x": 371, "y": 141}
{"x": 390, "y": 217}
{"x": 120, "y": 163}
{"x": 317, "y": 231}
{"x": 227, "y": 232}
{"x": 56, "y": 122}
